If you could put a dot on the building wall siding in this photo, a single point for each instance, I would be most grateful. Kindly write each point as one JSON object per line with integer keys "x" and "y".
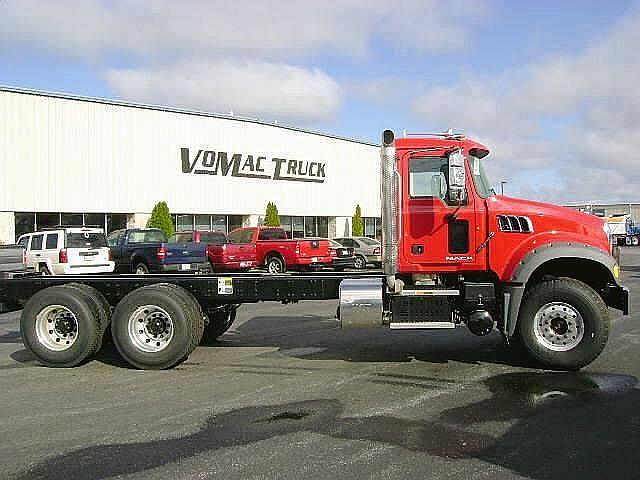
{"x": 68, "y": 155}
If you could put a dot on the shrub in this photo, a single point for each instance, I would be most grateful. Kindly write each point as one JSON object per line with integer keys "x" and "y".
{"x": 271, "y": 218}
{"x": 357, "y": 225}
{"x": 161, "y": 218}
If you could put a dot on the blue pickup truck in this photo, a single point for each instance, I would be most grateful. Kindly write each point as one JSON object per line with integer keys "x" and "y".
{"x": 145, "y": 250}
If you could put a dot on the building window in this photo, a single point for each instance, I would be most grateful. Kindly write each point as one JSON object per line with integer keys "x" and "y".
{"x": 203, "y": 222}
{"x": 47, "y": 220}
{"x": 116, "y": 221}
{"x": 299, "y": 227}
{"x": 25, "y": 222}
{"x": 71, "y": 219}
{"x": 373, "y": 227}
{"x": 184, "y": 222}
{"x": 97, "y": 220}
{"x": 219, "y": 223}
{"x": 233, "y": 222}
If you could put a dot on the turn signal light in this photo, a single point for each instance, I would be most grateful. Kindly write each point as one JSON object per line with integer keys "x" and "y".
{"x": 63, "y": 257}
{"x": 376, "y": 251}
{"x": 162, "y": 253}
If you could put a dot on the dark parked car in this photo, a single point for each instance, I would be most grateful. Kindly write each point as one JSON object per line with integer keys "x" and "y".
{"x": 145, "y": 250}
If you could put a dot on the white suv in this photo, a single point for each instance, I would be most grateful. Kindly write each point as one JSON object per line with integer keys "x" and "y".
{"x": 67, "y": 251}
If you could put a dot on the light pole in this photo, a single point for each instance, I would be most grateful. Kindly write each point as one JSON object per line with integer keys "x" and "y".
{"x": 502, "y": 182}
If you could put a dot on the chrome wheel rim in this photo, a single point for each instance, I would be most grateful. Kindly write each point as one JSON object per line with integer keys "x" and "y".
{"x": 558, "y": 326}
{"x": 150, "y": 328}
{"x": 141, "y": 270}
{"x": 359, "y": 262}
{"x": 274, "y": 267}
{"x": 56, "y": 328}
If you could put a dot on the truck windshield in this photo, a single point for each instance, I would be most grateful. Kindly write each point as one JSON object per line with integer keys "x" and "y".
{"x": 480, "y": 179}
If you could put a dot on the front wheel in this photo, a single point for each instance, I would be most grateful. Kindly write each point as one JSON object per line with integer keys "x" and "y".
{"x": 563, "y": 324}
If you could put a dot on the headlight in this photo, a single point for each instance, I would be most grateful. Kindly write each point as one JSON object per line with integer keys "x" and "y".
{"x": 606, "y": 228}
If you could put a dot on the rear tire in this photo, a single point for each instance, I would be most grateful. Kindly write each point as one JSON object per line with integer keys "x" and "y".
{"x": 359, "y": 262}
{"x": 60, "y": 326}
{"x": 44, "y": 270}
{"x": 141, "y": 269}
{"x": 563, "y": 324}
{"x": 275, "y": 265}
{"x": 103, "y": 308}
{"x": 219, "y": 322}
{"x": 157, "y": 326}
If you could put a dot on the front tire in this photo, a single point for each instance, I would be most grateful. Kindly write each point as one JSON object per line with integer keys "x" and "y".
{"x": 563, "y": 324}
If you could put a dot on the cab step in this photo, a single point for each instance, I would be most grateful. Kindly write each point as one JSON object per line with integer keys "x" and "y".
{"x": 429, "y": 292}
{"x": 420, "y": 325}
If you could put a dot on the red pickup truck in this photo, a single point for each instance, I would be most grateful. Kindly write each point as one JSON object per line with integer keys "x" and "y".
{"x": 223, "y": 255}
{"x": 277, "y": 253}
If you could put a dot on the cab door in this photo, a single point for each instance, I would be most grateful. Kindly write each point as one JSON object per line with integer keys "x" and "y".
{"x": 438, "y": 234}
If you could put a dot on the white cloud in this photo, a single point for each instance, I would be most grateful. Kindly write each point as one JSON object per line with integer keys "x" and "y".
{"x": 268, "y": 90}
{"x": 246, "y": 55}
{"x": 255, "y": 28}
{"x": 591, "y": 101}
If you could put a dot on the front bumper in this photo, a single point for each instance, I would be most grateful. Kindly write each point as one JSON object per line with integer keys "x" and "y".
{"x": 617, "y": 297}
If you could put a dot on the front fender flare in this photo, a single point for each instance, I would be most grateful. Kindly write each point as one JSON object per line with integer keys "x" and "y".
{"x": 514, "y": 290}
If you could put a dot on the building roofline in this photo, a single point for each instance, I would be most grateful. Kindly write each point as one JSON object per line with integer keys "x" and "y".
{"x": 600, "y": 204}
{"x": 162, "y": 108}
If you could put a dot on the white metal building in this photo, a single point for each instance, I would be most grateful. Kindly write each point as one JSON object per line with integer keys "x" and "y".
{"x": 85, "y": 161}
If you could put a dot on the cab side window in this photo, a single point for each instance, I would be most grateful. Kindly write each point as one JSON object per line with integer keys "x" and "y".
{"x": 23, "y": 242}
{"x": 428, "y": 177}
{"x": 52, "y": 241}
{"x": 36, "y": 242}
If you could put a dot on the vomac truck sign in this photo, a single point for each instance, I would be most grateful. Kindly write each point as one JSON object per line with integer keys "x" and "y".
{"x": 209, "y": 162}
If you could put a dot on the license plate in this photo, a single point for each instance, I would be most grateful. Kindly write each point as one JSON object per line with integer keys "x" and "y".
{"x": 314, "y": 259}
{"x": 185, "y": 266}
{"x": 245, "y": 264}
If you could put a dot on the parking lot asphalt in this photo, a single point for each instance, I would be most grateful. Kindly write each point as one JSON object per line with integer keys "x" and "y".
{"x": 287, "y": 394}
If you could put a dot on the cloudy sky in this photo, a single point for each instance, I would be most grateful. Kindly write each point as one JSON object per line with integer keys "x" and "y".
{"x": 552, "y": 87}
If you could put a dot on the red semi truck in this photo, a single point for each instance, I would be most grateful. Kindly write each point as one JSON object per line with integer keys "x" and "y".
{"x": 278, "y": 253}
{"x": 454, "y": 253}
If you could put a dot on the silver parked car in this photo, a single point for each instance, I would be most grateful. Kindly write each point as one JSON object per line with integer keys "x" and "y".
{"x": 367, "y": 250}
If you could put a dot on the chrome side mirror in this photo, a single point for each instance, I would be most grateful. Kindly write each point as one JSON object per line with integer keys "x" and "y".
{"x": 457, "y": 177}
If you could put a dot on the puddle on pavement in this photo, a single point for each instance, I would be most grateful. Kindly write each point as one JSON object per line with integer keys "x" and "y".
{"x": 517, "y": 395}
{"x": 299, "y": 415}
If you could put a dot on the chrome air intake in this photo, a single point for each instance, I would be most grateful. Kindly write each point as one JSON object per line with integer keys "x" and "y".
{"x": 390, "y": 202}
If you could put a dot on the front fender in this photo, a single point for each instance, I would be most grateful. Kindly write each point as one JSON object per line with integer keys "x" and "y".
{"x": 616, "y": 296}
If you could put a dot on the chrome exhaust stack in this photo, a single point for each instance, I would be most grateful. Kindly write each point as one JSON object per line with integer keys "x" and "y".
{"x": 391, "y": 210}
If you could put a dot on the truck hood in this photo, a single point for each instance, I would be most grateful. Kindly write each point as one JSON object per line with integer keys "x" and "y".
{"x": 553, "y": 219}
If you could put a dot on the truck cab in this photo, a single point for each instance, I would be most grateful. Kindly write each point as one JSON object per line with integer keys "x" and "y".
{"x": 456, "y": 253}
